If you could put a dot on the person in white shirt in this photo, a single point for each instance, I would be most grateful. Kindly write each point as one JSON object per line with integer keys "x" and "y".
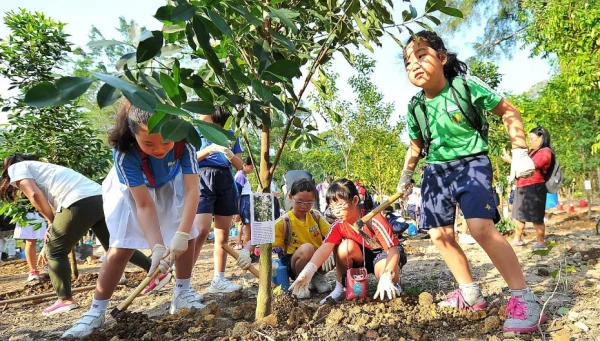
{"x": 72, "y": 204}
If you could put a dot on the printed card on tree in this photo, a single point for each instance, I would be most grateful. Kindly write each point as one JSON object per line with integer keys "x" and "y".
{"x": 262, "y": 219}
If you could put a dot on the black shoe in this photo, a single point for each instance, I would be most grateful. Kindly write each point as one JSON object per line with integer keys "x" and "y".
{"x": 254, "y": 258}
{"x": 4, "y": 256}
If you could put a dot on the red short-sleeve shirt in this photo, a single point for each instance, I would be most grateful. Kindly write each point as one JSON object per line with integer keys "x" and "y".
{"x": 384, "y": 234}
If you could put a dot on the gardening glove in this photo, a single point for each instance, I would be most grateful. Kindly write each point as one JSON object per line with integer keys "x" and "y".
{"x": 329, "y": 263}
{"x": 522, "y": 166}
{"x": 159, "y": 259}
{"x": 386, "y": 286}
{"x": 179, "y": 244}
{"x": 215, "y": 148}
{"x": 404, "y": 184}
{"x": 244, "y": 260}
{"x": 300, "y": 286}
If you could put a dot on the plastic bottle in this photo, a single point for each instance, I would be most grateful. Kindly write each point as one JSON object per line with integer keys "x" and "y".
{"x": 10, "y": 247}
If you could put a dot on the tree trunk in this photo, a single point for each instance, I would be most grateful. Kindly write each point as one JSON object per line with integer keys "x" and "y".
{"x": 74, "y": 270}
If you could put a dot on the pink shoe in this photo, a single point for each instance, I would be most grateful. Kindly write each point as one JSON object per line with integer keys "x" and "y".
{"x": 33, "y": 276}
{"x": 523, "y": 314}
{"x": 59, "y": 307}
{"x": 456, "y": 300}
{"x": 158, "y": 282}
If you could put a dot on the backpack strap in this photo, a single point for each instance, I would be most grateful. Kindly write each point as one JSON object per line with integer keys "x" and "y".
{"x": 146, "y": 165}
{"x": 473, "y": 115}
{"x": 422, "y": 120}
{"x": 287, "y": 232}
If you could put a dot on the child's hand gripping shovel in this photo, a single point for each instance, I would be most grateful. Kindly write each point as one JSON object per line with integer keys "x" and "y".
{"x": 358, "y": 226}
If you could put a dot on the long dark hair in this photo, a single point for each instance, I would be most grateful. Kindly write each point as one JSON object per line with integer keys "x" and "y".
{"x": 341, "y": 189}
{"x": 128, "y": 121}
{"x": 453, "y": 67}
{"x": 544, "y": 134}
{"x": 8, "y": 192}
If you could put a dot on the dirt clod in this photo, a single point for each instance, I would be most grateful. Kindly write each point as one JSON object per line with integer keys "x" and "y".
{"x": 491, "y": 323}
{"x": 425, "y": 299}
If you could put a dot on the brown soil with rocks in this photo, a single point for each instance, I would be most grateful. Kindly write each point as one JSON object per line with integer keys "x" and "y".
{"x": 571, "y": 302}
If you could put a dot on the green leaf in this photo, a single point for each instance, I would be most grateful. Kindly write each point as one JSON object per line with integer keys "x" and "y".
{"x": 281, "y": 70}
{"x": 554, "y": 273}
{"x": 262, "y": 90}
{"x": 42, "y": 95}
{"x": 71, "y": 88}
{"x": 127, "y": 58}
{"x": 154, "y": 85}
{"x": 366, "y": 44}
{"x": 239, "y": 76}
{"x": 452, "y": 12}
{"x": 149, "y": 48}
{"x": 252, "y": 20}
{"x": 434, "y": 5}
{"x": 563, "y": 311}
{"x": 174, "y": 130}
{"x": 156, "y": 121}
{"x": 199, "y": 107}
{"x": 283, "y": 40}
{"x": 164, "y": 13}
{"x": 406, "y": 16}
{"x": 219, "y": 22}
{"x": 204, "y": 94}
{"x": 176, "y": 72}
{"x": 335, "y": 116}
{"x": 363, "y": 29}
{"x": 276, "y": 102}
{"x": 173, "y": 28}
{"x": 134, "y": 32}
{"x": 193, "y": 137}
{"x": 204, "y": 41}
{"x": 190, "y": 35}
{"x": 169, "y": 109}
{"x": 136, "y": 95}
{"x": 183, "y": 12}
{"x": 213, "y": 133}
{"x": 424, "y": 25}
{"x": 104, "y": 43}
{"x": 169, "y": 85}
{"x": 285, "y": 18}
{"x": 413, "y": 11}
{"x": 297, "y": 122}
{"x": 396, "y": 40}
{"x": 433, "y": 19}
{"x": 107, "y": 95}
{"x": 297, "y": 143}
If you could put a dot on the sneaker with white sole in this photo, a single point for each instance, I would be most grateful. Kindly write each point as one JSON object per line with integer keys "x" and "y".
{"x": 86, "y": 325}
{"x": 456, "y": 300}
{"x": 523, "y": 313}
{"x": 158, "y": 283}
{"x": 123, "y": 279}
{"x": 185, "y": 299}
{"x": 466, "y": 239}
{"x": 320, "y": 283}
{"x": 223, "y": 286}
{"x": 33, "y": 276}
{"x": 336, "y": 295}
{"x": 59, "y": 307}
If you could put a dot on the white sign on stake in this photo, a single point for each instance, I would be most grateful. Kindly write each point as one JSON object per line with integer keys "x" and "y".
{"x": 587, "y": 184}
{"x": 262, "y": 219}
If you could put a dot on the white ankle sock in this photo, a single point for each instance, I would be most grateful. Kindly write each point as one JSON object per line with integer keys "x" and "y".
{"x": 471, "y": 292}
{"x": 521, "y": 292}
{"x": 219, "y": 276}
{"x": 99, "y": 305}
{"x": 181, "y": 285}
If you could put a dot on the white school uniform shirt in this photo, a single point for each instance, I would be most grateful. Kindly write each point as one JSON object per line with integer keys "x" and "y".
{"x": 62, "y": 186}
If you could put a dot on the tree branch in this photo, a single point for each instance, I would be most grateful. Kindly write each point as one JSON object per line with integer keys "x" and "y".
{"x": 505, "y": 38}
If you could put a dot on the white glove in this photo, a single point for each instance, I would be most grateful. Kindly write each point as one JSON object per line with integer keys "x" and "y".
{"x": 179, "y": 245}
{"x": 244, "y": 260}
{"x": 159, "y": 259}
{"x": 329, "y": 263}
{"x": 300, "y": 285}
{"x": 522, "y": 165}
{"x": 215, "y": 148}
{"x": 386, "y": 286}
{"x": 404, "y": 184}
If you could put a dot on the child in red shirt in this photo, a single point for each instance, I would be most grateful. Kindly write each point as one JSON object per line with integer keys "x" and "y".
{"x": 343, "y": 199}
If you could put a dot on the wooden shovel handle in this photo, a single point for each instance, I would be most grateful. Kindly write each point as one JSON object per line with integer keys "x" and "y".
{"x": 380, "y": 208}
{"x": 123, "y": 305}
{"x": 235, "y": 255}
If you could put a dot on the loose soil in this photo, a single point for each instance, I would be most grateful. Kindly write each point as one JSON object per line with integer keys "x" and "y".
{"x": 572, "y": 303}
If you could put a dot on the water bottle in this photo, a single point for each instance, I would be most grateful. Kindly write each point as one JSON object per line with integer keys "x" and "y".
{"x": 234, "y": 232}
{"x": 412, "y": 229}
{"x": 10, "y": 247}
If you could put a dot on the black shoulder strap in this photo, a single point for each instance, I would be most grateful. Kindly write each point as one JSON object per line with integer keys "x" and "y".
{"x": 475, "y": 120}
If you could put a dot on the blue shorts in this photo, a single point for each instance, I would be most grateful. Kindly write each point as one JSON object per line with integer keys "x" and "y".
{"x": 245, "y": 209}
{"x": 218, "y": 193}
{"x": 467, "y": 181}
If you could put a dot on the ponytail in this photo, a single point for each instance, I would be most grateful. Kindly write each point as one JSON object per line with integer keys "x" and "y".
{"x": 453, "y": 67}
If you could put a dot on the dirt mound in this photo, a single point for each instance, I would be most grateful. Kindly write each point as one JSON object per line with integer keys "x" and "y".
{"x": 13, "y": 267}
{"x": 44, "y": 285}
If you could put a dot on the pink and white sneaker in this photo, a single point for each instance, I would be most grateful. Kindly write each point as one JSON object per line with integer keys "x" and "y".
{"x": 33, "y": 276}
{"x": 456, "y": 300}
{"x": 158, "y": 283}
{"x": 523, "y": 314}
{"x": 59, "y": 307}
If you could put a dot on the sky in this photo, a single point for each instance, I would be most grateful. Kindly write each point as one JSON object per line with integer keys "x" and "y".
{"x": 520, "y": 72}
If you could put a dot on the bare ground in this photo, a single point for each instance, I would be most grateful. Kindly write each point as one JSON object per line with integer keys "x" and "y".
{"x": 571, "y": 300}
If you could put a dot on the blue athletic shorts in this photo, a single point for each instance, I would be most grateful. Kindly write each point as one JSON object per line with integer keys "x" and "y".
{"x": 467, "y": 181}
{"x": 245, "y": 209}
{"x": 218, "y": 193}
